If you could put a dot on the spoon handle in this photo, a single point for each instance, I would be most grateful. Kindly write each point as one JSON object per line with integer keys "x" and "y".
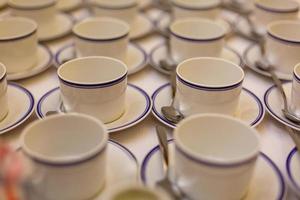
{"x": 163, "y": 144}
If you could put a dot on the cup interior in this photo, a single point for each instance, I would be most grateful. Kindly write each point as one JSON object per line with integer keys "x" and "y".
{"x": 278, "y": 5}
{"x": 22, "y": 27}
{"x": 201, "y": 4}
{"x": 116, "y": 4}
{"x": 285, "y": 30}
{"x": 46, "y": 139}
{"x": 31, "y": 3}
{"x": 217, "y": 138}
{"x": 135, "y": 194}
{"x": 108, "y": 29}
{"x": 92, "y": 70}
{"x": 196, "y": 29}
{"x": 2, "y": 71}
{"x": 210, "y": 72}
{"x": 297, "y": 70}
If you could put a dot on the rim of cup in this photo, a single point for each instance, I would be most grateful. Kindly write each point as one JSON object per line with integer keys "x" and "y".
{"x": 297, "y": 72}
{"x": 215, "y": 65}
{"x": 86, "y": 29}
{"x": 48, "y": 159}
{"x": 31, "y": 4}
{"x": 2, "y": 72}
{"x": 279, "y": 30}
{"x": 196, "y": 5}
{"x": 183, "y": 29}
{"x": 277, "y": 6}
{"x": 23, "y": 26}
{"x": 97, "y": 72}
{"x": 209, "y": 160}
{"x": 115, "y": 5}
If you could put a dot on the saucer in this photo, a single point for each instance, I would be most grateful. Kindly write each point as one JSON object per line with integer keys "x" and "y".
{"x": 144, "y": 4}
{"x": 267, "y": 181}
{"x": 135, "y": 61}
{"x": 20, "y": 105}
{"x": 250, "y": 110}
{"x": 43, "y": 63}
{"x": 141, "y": 27}
{"x": 60, "y": 26}
{"x": 293, "y": 169}
{"x": 252, "y": 54}
{"x": 164, "y": 20}
{"x": 159, "y": 53}
{"x": 138, "y": 106}
{"x": 68, "y": 5}
{"x": 274, "y": 103}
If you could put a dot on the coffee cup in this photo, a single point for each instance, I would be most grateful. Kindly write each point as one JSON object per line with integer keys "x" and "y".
{"x": 3, "y": 93}
{"x": 95, "y": 86}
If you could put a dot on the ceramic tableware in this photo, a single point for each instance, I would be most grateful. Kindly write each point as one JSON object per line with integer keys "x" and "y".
{"x": 208, "y": 85}
{"x": 135, "y": 192}
{"x": 160, "y": 52}
{"x": 126, "y": 10}
{"x": 293, "y": 168}
{"x": 109, "y": 39}
{"x": 3, "y": 93}
{"x": 68, "y": 5}
{"x": 283, "y": 41}
{"x": 51, "y": 24}
{"x": 295, "y": 98}
{"x": 267, "y": 181}
{"x": 250, "y": 109}
{"x": 137, "y": 107}
{"x": 18, "y": 44}
{"x": 267, "y": 11}
{"x": 217, "y": 160}
{"x": 94, "y": 86}
{"x": 194, "y": 8}
{"x": 195, "y": 38}
{"x": 72, "y": 170}
{"x": 135, "y": 58}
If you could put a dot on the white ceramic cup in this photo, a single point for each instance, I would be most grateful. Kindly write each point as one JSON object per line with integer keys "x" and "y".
{"x": 135, "y": 192}
{"x": 41, "y": 11}
{"x": 295, "y": 95}
{"x": 95, "y": 86}
{"x": 214, "y": 156}
{"x": 267, "y": 11}
{"x": 126, "y": 10}
{"x": 3, "y": 93}
{"x": 110, "y": 38}
{"x": 283, "y": 45}
{"x": 196, "y": 8}
{"x": 18, "y": 44}
{"x": 208, "y": 85}
{"x": 68, "y": 153}
{"x": 195, "y": 38}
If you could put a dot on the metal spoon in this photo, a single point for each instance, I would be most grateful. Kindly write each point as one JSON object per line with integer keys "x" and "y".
{"x": 170, "y": 112}
{"x": 166, "y": 183}
{"x": 264, "y": 65}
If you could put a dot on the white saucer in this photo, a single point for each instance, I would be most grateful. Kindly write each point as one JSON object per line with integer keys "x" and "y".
{"x": 164, "y": 20}
{"x": 60, "y": 26}
{"x": 135, "y": 61}
{"x": 68, "y": 5}
{"x": 293, "y": 169}
{"x": 252, "y": 54}
{"x": 159, "y": 53}
{"x": 141, "y": 27}
{"x": 267, "y": 182}
{"x": 43, "y": 63}
{"x": 144, "y": 4}
{"x": 250, "y": 110}
{"x": 274, "y": 103}
{"x": 138, "y": 106}
{"x": 20, "y": 103}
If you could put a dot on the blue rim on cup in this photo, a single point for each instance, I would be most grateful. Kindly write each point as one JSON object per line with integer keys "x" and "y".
{"x": 195, "y": 5}
{"x": 292, "y": 6}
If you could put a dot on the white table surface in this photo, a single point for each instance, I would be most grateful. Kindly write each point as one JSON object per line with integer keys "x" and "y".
{"x": 275, "y": 142}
